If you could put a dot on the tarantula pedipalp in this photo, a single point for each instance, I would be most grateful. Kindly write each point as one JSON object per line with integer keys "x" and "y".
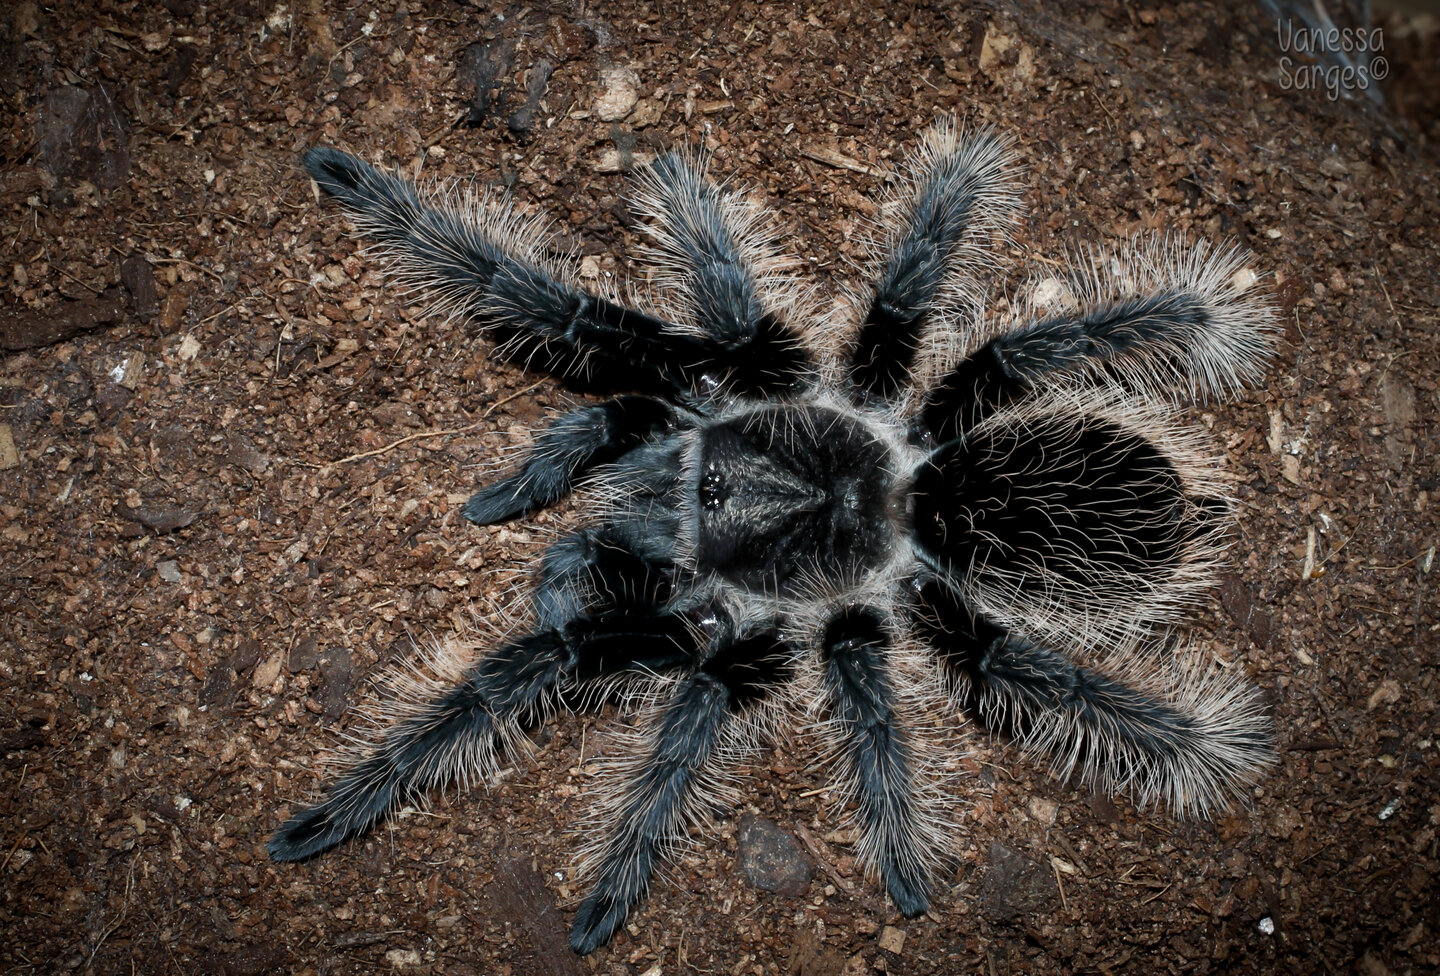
{"x": 786, "y": 527}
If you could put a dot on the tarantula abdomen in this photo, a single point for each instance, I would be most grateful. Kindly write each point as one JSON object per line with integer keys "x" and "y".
{"x": 1054, "y": 503}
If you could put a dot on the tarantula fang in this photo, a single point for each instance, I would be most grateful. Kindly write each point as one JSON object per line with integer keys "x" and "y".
{"x": 799, "y": 520}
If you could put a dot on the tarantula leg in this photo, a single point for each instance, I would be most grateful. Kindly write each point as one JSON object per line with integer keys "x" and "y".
{"x": 575, "y": 444}
{"x": 583, "y": 577}
{"x": 708, "y": 245}
{"x": 1177, "y": 733}
{"x": 1179, "y": 318}
{"x": 714, "y": 254}
{"x": 487, "y": 262}
{"x": 611, "y": 568}
{"x": 702, "y": 728}
{"x": 589, "y": 340}
{"x": 602, "y": 590}
{"x": 960, "y": 192}
{"x": 1008, "y": 365}
{"x": 877, "y": 760}
{"x": 441, "y": 740}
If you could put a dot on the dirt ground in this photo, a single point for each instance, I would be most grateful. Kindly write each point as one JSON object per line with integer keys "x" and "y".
{"x": 231, "y": 462}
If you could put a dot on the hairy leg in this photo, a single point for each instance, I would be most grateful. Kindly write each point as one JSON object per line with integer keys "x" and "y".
{"x": 958, "y": 193}
{"x": 571, "y": 447}
{"x": 584, "y": 578}
{"x": 876, "y": 757}
{"x": 479, "y": 259}
{"x": 702, "y": 728}
{"x": 1161, "y": 730}
{"x": 712, "y": 251}
{"x": 1178, "y": 321}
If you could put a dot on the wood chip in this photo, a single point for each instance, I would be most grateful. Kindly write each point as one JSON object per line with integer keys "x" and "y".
{"x": 31, "y": 330}
{"x": 892, "y": 939}
{"x": 9, "y": 457}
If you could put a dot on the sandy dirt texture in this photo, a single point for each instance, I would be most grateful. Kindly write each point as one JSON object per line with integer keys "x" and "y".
{"x": 232, "y": 459}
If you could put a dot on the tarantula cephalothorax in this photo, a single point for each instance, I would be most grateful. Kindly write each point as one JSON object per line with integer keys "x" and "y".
{"x": 1006, "y": 513}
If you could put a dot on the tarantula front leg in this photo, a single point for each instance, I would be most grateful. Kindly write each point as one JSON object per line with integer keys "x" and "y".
{"x": 1172, "y": 733}
{"x": 484, "y": 261}
{"x": 704, "y": 726}
{"x": 574, "y": 445}
{"x": 586, "y": 579}
{"x": 711, "y": 250}
{"x": 877, "y": 757}
{"x": 958, "y": 193}
{"x": 1175, "y": 318}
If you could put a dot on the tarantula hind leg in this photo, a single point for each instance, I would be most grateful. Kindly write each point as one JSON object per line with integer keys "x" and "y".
{"x": 708, "y": 721}
{"x": 589, "y": 581}
{"x": 574, "y": 445}
{"x": 898, "y": 836}
{"x": 1158, "y": 730}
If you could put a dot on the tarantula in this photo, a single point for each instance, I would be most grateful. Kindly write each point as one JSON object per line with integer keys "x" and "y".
{"x": 795, "y": 522}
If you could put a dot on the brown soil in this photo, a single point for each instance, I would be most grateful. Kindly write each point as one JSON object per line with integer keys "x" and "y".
{"x": 217, "y": 523}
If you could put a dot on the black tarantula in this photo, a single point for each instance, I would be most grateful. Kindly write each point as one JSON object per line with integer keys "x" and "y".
{"x": 1005, "y": 513}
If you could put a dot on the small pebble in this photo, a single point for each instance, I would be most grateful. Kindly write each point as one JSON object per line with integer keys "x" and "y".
{"x": 771, "y": 859}
{"x": 1043, "y": 809}
{"x": 618, "y": 92}
{"x": 403, "y": 959}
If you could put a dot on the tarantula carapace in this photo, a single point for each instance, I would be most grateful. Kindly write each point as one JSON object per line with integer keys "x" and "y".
{"x": 839, "y": 526}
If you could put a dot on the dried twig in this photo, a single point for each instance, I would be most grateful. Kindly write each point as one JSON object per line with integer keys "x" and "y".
{"x": 832, "y": 157}
{"x": 823, "y": 856}
{"x": 433, "y": 433}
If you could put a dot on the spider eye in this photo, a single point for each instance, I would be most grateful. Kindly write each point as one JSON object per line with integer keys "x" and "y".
{"x": 714, "y": 490}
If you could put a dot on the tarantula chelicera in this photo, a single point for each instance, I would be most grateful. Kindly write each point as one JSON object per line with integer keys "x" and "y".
{"x": 844, "y": 525}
